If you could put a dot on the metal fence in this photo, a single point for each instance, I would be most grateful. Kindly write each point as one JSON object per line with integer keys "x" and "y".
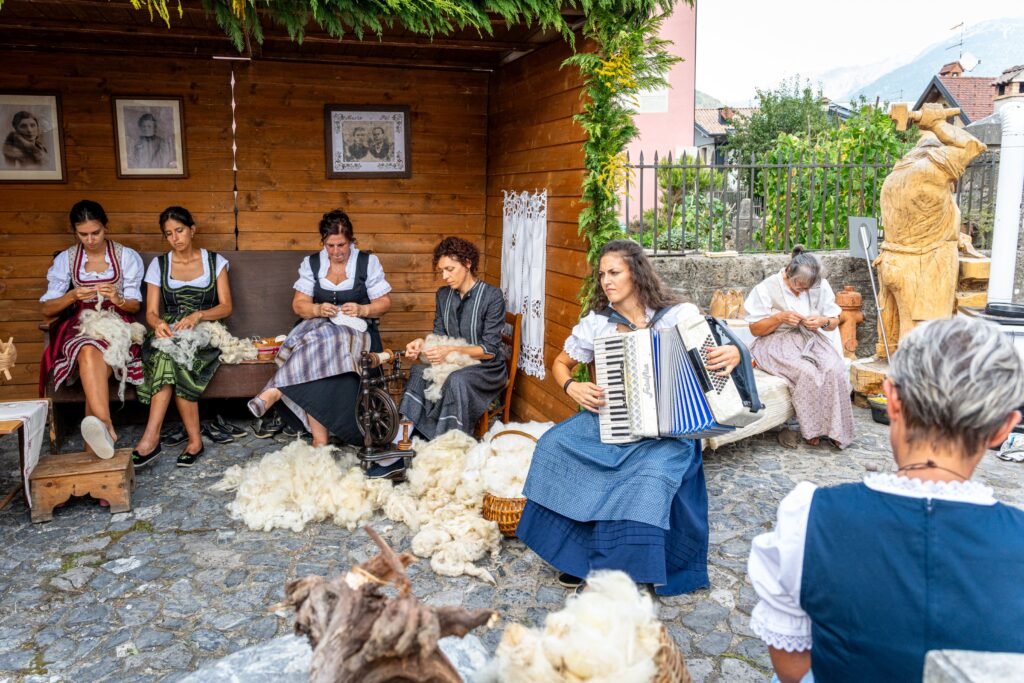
{"x": 684, "y": 205}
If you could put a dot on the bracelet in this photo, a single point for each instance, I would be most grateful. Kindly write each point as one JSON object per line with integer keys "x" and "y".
{"x": 565, "y": 385}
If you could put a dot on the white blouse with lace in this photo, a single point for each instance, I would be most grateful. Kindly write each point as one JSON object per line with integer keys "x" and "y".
{"x": 777, "y": 557}
{"x": 376, "y": 284}
{"x": 153, "y": 273}
{"x": 580, "y": 344}
{"x": 58, "y": 277}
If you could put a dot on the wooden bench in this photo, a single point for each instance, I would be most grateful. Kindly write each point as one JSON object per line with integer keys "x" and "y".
{"x": 261, "y": 290}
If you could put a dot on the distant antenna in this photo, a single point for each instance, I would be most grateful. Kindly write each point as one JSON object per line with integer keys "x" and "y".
{"x": 959, "y": 45}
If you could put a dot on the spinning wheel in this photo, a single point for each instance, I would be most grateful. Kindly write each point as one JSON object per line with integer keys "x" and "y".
{"x": 379, "y": 415}
{"x": 376, "y": 413}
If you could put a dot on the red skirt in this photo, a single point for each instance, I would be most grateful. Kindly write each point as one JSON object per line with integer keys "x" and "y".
{"x": 60, "y": 358}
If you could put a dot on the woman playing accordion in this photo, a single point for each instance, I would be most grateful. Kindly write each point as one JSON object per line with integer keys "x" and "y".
{"x": 638, "y": 507}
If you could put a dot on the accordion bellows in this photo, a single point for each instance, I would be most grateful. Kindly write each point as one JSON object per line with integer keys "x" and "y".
{"x": 657, "y": 384}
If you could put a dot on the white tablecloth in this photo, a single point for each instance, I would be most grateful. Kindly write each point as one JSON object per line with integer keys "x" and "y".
{"x": 33, "y": 415}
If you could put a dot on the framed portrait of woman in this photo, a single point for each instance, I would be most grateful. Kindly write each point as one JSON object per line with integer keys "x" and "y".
{"x": 149, "y": 136}
{"x": 33, "y": 138}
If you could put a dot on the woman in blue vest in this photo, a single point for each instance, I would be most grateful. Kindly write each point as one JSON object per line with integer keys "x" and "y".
{"x": 340, "y": 293}
{"x": 639, "y": 507}
{"x": 859, "y": 581}
{"x": 794, "y": 315}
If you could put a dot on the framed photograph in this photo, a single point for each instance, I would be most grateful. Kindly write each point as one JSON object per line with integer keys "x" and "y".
{"x": 33, "y": 138}
{"x": 367, "y": 141}
{"x": 149, "y": 136}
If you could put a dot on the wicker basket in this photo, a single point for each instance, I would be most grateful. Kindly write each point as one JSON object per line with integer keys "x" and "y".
{"x": 670, "y": 662}
{"x": 505, "y": 511}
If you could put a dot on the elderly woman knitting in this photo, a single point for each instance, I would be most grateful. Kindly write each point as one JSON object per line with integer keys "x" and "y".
{"x": 795, "y": 318}
{"x": 859, "y": 581}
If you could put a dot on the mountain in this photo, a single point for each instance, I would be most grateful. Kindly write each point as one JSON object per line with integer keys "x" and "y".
{"x": 996, "y": 43}
{"x": 705, "y": 101}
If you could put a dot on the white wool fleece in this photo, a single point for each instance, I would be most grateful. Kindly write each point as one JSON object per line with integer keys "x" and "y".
{"x": 437, "y": 373}
{"x": 107, "y": 326}
{"x": 607, "y": 634}
{"x": 183, "y": 345}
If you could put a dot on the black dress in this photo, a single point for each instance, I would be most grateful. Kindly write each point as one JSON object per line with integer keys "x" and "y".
{"x": 478, "y": 317}
{"x": 332, "y": 400}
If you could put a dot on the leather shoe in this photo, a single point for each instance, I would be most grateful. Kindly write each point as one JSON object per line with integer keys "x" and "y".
{"x": 141, "y": 461}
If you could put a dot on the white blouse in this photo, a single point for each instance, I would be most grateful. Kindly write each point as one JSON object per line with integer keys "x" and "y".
{"x": 758, "y": 306}
{"x": 154, "y": 275}
{"x": 580, "y": 344}
{"x": 777, "y": 557}
{"x": 58, "y": 277}
{"x": 376, "y": 285}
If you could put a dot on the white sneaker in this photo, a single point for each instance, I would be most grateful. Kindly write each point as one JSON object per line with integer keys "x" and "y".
{"x": 95, "y": 433}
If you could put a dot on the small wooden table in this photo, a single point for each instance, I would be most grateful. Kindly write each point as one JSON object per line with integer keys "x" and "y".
{"x": 58, "y": 477}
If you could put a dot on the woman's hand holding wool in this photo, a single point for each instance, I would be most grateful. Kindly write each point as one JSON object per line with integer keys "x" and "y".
{"x": 354, "y": 309}
{"x": 189, "y": 321}
{"x": 163, "y": 330}
{"x": 437, "y": 354}
{"x": 413, "y": 349}
{"x": 789, "y": 318}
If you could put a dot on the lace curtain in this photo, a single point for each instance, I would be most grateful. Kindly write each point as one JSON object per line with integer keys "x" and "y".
{"x": 524, "y": 240}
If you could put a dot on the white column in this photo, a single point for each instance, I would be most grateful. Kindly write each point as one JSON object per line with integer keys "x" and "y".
{"x": 1008, "y": 201}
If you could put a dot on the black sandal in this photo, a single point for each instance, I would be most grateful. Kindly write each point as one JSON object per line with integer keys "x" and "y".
{"x": 569, "y": 581}
{"x": 174, "y": 436}
{"x": 187, "y": 459}
{"x": 141, "y": 461}
{"x": 232, "y": 429}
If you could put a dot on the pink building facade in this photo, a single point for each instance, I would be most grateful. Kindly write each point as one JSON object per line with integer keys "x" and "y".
{"x": 665, "y": 118}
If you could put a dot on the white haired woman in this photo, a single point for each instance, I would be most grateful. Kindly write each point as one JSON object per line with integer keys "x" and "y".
{"x": 858, "y": 582}
{"x": 794, "y": 316}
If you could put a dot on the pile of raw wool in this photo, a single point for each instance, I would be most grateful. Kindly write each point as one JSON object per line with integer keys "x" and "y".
{"x": 499, "y": 465}
{"x": 437, "y": 373}
{"x": 183, "y": 345}
{"x": 607, "y": 634}
{"x": 107, "y": 326}
{"x": 299, "y": 484}
{"x": 441, "y": 502}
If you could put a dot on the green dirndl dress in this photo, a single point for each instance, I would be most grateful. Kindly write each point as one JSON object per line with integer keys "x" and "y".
{"x": 160, "y": 369}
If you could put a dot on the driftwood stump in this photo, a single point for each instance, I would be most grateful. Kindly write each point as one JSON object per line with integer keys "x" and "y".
{"x": 360, "y": 635}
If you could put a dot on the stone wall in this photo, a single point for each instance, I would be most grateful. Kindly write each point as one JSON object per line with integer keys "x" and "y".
{"x": 697, "y": 278}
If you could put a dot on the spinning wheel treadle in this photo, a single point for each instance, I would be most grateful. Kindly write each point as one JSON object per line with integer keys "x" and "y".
{"x": 376, "y": 413}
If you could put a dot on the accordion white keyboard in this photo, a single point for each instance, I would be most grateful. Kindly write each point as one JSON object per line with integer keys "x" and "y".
{"x": 613, "y": 416}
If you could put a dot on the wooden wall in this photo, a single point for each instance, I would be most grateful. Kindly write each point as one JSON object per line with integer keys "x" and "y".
{"x": 282, "y": 189}
{"x": 533, "y": 143}
{"x": 34, "y": 217}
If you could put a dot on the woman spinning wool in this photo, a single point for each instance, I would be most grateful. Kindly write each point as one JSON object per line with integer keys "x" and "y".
{"x": 795, "y": 318}
{"x": 857, "y": 582}
{"x": 339, "y": 294}
{"x": 96, "y": 273}
{"x": 192, "y": 284}
{"x": 465, "y": 309}
{"x": 639, "y": 507}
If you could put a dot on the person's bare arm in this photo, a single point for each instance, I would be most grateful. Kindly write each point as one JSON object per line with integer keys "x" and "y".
{"x": 790, "y": 667}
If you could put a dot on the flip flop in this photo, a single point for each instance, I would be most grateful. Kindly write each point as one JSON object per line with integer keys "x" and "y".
{"x": 257, "y": 406}
{"x": 95, "y": 433}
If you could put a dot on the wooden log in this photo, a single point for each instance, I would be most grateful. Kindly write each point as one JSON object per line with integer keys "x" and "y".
{"x": 359, "y": 634}
{"x": 867, "y": 375}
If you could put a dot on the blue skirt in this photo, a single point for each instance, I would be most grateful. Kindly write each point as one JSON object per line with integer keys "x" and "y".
{"x": 673, "y": 559}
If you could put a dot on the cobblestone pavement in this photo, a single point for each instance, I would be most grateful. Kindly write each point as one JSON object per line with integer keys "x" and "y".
{"x": 157, "y": 592}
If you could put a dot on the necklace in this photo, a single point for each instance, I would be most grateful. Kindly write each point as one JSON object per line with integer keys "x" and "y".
{"x": 929, "y": 465}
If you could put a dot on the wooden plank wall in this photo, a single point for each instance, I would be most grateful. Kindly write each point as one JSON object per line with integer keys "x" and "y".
{"x": 282, "y": 189}
{"x": 533, "y": 144}
{"x": 34, "y": 217}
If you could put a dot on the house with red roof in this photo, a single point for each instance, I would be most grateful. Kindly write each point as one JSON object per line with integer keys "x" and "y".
{"x": 972, "y": 95}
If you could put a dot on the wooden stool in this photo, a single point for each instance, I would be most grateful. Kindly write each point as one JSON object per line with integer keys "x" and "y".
{"x": 58, "y": 477}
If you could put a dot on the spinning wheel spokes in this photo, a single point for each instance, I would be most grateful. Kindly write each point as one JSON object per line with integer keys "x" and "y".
{"x": 377, "y": 413}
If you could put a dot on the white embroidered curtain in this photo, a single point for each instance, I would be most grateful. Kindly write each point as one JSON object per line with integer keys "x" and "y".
{"x": 524, "y": 241}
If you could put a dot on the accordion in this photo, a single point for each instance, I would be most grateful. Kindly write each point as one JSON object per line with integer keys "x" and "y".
{"x": 657, "y": 384}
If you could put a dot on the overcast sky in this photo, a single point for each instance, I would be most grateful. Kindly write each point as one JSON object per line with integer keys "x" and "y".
{"x": 743, "y": 44}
